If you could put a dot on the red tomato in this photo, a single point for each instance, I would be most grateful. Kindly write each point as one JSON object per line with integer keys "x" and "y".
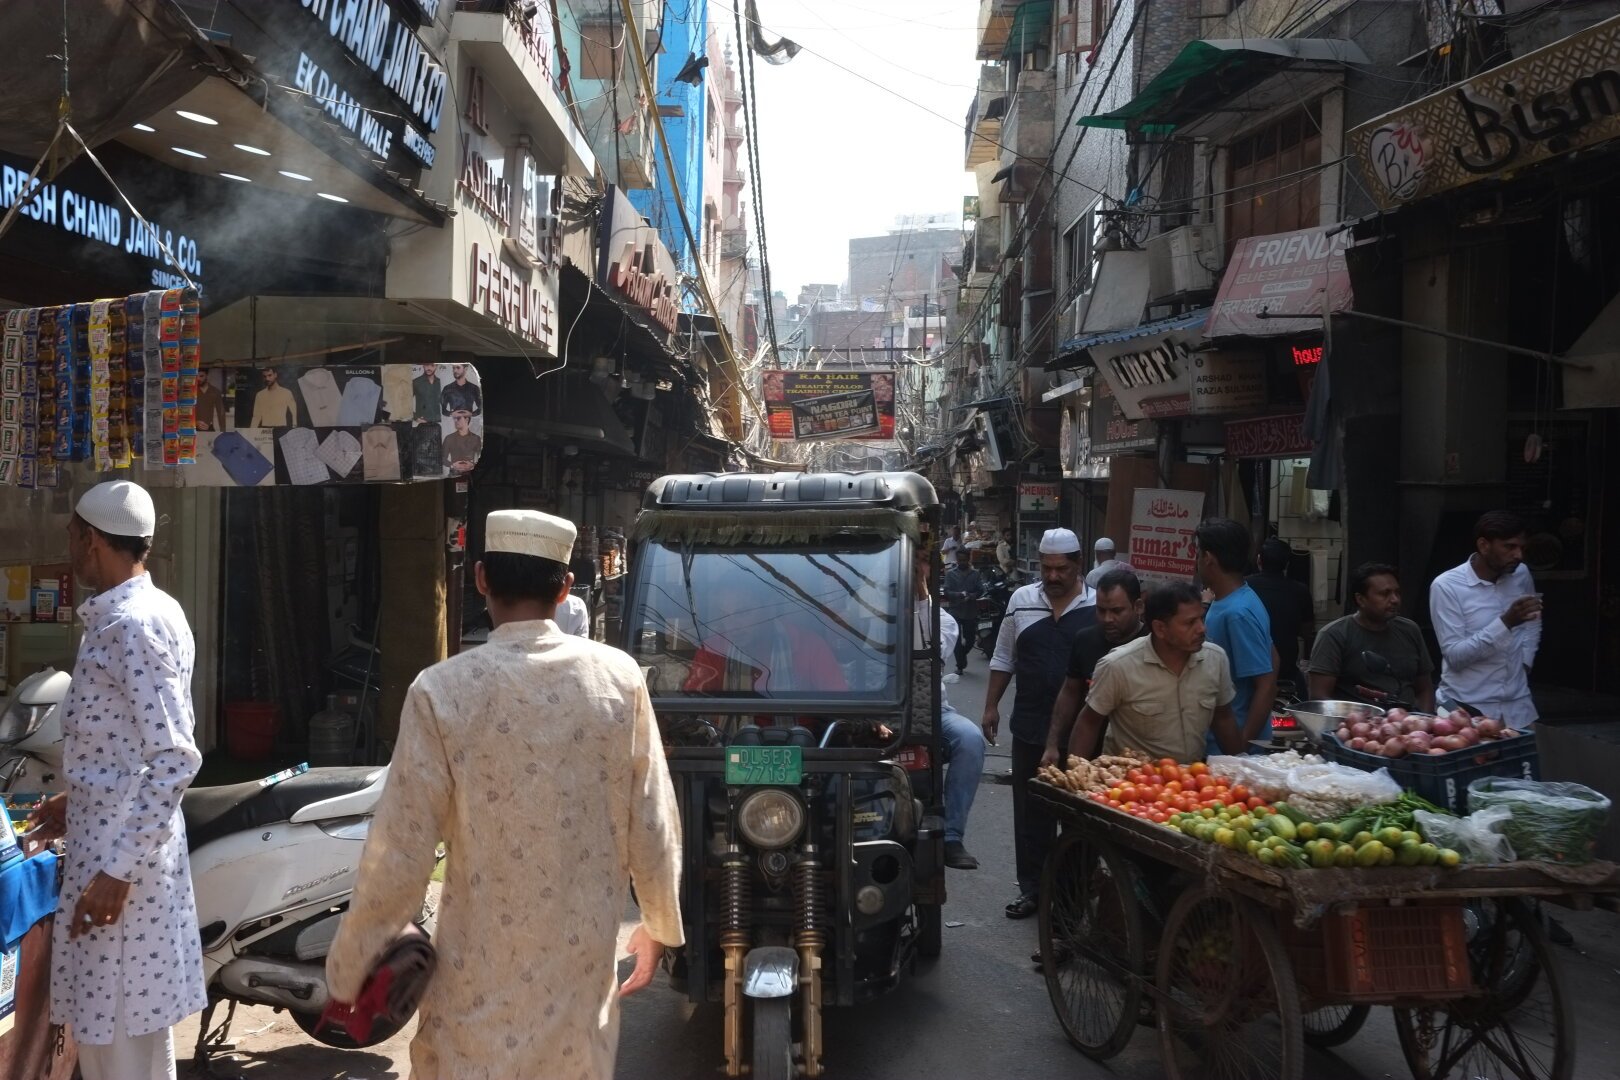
{"x": 1159, "y": 817}
{"x": 1255, "y": 802}
{"x": 1199, "y": 767}
{"x": 1240, "y": 794}
{"x": 1204, "y": 781}
{"x": 1173, "y": 787}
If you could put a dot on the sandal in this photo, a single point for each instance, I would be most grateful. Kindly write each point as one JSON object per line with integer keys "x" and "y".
{"x": 1023, "y": 907}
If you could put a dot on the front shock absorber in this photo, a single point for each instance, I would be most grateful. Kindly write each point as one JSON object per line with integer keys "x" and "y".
{"x": 810, "y": 937}
{"x": 735, "y": 915}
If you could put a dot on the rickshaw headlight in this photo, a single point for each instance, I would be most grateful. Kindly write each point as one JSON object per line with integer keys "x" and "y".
{"x": 771, "y": 818}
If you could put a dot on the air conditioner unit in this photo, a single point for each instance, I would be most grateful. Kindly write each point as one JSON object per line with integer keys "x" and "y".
{"x": 1183, "y": 260}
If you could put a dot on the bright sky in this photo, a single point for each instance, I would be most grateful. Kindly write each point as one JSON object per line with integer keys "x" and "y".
{"x": 841, "y": 157}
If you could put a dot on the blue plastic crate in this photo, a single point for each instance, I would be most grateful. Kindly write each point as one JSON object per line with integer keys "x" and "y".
{"x": 1443, "y": 779}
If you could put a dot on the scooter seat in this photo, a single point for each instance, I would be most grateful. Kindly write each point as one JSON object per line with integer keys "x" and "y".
{"x": 213, "y": 812}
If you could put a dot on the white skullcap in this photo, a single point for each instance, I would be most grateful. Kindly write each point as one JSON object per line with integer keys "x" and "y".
{"x": 1103, "y": 544}
{"x": 1059, "y": 542}
{"x": 529, "y": 532}
{"x": 119, "y": 508}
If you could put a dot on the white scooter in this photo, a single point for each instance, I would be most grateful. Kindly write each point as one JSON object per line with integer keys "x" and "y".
{"x": 273, "y": 865}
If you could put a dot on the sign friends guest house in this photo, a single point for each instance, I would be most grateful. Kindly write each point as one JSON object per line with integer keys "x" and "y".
{"x": 1559, "y": 98}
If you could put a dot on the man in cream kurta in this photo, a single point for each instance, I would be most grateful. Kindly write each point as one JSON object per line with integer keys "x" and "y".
{"x": 537, "y": 759}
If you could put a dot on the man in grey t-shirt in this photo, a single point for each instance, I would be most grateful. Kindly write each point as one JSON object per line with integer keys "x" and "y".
{"x": 1375, "y": 650}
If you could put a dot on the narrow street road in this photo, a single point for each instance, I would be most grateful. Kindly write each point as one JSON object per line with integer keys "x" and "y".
{"x": 979, "y": 1013}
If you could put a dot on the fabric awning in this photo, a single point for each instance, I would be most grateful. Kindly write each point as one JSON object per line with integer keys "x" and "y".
{"x": 1070, "y": 353}
{"x": 1207, "y": 74}
{"x": 1031, "y": 28}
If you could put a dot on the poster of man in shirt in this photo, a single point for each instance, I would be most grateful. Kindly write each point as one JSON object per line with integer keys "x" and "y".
{"x": 462, "y": 423}
{"x": 265, "y": 396}
{"x": 808, "y": 405}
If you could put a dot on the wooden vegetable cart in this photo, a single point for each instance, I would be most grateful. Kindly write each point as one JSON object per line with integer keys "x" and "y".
{"x": 1240, "y": 965}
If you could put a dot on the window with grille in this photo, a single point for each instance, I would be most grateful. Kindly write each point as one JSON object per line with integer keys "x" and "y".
{"x": 1079, "y": 248}
{"x": 1268, "y": 187}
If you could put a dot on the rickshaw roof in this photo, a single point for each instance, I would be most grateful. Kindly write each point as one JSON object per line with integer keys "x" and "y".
{"x": 776, "y": 492}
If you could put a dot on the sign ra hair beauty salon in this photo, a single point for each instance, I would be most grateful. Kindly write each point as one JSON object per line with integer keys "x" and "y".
{"x": 1559, "y": 98}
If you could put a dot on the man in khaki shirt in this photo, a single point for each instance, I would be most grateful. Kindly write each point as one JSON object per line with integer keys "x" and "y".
{"x": 1160, "y": 694}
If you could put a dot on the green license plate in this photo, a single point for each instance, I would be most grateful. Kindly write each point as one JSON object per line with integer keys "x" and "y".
{"x": 773, "y": 765}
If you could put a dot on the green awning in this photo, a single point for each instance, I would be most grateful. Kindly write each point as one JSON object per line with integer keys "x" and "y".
{"x": 1207, "y": 74}
{"x": 1031, "y": 28}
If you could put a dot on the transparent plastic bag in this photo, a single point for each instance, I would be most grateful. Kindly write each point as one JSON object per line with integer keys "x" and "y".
{"x": 1266, "y": 775}
{"x": 1329, "y": 791}
{"x": 1477, "y": 838}
{"x": 1553, "y": 822}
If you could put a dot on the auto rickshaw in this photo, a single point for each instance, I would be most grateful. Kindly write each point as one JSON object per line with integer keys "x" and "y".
{"x": 791, "y": 664}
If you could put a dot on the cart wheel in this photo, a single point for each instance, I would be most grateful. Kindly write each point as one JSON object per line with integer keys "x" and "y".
{"x": 1334, "y": 1025}
{"x": 1227, "y": 993}
{"x": 1513, "y": 1029}
{"x": 1092, "y": 950}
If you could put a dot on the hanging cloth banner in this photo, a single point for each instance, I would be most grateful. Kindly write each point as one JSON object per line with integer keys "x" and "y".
{"x": 287, "y": 424}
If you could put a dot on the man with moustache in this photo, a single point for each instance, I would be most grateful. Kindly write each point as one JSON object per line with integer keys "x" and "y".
{"x": 1036, "y": 638}
{"x": 1165, "y": 694}
{"x": 1119, "y": 619}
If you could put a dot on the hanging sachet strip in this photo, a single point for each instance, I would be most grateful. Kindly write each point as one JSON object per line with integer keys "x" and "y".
{"x": 169, "y": 329}
{"x": 35, "y": 445}
{"x": 190, "y": 373}
{"x": 135, "y": 372}
{"x": 152, "y": 362}
{"x": 11, "y": 398}
{"x": 100, "y": 339}
{"x": 62, "y": 333}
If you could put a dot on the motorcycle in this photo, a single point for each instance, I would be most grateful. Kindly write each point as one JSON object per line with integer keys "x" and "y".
{"x": 998, "y": 590}
{"x": 273, "y": 865}
{"x": 788, "y": 660}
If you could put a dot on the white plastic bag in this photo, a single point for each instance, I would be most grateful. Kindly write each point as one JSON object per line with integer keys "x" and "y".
{"x": 1328, "y": 791}
{"x": 1266, "y": 775}
{"x": 1477, "y": 838}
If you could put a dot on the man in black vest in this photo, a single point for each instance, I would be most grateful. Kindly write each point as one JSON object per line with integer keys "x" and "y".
{"x": 1036, "y": 639}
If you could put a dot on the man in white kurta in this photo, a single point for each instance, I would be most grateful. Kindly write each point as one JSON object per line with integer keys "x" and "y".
{"x": 536, "y": 757}
{"x": 126, "y": 959}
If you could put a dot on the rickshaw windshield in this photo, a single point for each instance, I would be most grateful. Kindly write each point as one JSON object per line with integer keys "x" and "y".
{"x": 802, "y": 624}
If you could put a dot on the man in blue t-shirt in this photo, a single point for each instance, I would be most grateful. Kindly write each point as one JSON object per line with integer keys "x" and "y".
{"x": 1238, "y": 622}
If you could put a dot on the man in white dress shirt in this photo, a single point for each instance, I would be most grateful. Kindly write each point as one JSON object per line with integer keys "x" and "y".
{"x": 1488, "y": 618}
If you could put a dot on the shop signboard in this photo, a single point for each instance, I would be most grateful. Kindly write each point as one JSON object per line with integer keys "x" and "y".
{"x": 1150, "y": 376}
{"x": 1268, "y": 437}
{"x": 1163, "y": 523}
{"x": 803, "y": 406}
{"x": 1226, "y": 381}
{"x": 1112, "y": 432}
{"x": 1271, "y": 278}
{"x": 1559, "y": 98}
{"x": 382, "y": 42}
{"x": 633, "y": 265}
{"x": 1164, "y": 375}
{"x": 362, "y": 63}
{"x": 1038, "y": 500}
{"x": 87, "y": 221}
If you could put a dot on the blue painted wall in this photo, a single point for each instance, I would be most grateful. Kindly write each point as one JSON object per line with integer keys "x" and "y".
{"x": 686, "y": 28}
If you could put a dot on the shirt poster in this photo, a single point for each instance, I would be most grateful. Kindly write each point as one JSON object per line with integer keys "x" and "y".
{"x": 1163, "y": 521}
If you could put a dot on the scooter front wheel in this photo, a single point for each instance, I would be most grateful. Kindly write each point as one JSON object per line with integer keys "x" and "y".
{"x": 773, "y": 1038}
{"x": 335, "y": 1035}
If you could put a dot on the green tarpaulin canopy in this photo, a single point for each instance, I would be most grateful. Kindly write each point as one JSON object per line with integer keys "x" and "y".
{"x": 1206, "y": 74}
{"x": 1031, "y": 28}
